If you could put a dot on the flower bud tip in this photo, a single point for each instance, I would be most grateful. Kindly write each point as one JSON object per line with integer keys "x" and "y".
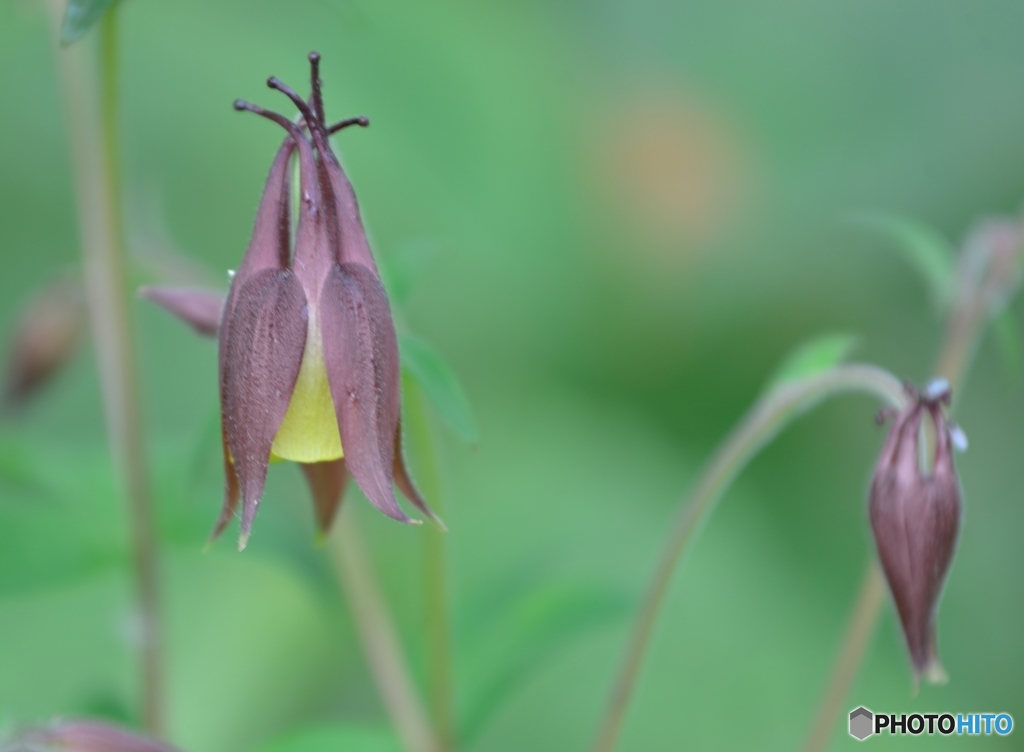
{"x": 935, "y": 673}
{"x": 958, "y": 438}
{"x": 314, "y": 57}
{"x": 937, "y": 390}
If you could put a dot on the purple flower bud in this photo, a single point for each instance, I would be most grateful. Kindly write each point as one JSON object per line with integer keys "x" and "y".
{"x": 915, "y": 517}
{"x": 46, "y": 336}
{"x": 84, "y": 736}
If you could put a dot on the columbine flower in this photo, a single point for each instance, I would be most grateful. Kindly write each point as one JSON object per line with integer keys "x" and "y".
{"x": 915, "y": 516}
{"x": 308, "y": 354}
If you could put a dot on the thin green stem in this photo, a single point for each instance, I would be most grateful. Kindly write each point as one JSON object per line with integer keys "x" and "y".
{"x": 437, "y": 622}
{"x": 378, "y": 636}
{"x": 773, "y": 412}
{"x": 91, "y": 111}
{"x": 858, "y": 635}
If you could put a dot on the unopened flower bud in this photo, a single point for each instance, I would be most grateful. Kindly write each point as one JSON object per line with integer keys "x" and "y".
{"x": 915, "y": 516}
{"x": 44, "y": 339}
{"x": 84, "y": 736}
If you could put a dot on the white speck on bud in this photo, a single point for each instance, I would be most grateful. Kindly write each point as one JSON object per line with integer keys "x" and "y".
{"x": 231, "y": 274}
{"x": 937, "y": 389}
{"x": 957, "y": 437}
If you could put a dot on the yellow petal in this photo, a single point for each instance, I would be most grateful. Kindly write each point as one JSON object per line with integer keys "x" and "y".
{"x": 309, "y": 432}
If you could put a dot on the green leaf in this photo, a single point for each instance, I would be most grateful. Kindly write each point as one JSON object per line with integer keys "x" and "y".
{"x": 526, "y": 634}
{"x": 813, "y": 357}
{"x": 19, "y": 468}
{"x": 80, "y": 16}
{"x": 439, "y": 383}
{"x": 924, "y": 248}
{"x": 331, "y": 738}
{"x": 81, "y": 522}
{"x": 402, "y": 268}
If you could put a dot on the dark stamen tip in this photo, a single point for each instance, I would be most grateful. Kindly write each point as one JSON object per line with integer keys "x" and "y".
{"x": 241, "y": 104}
{"x": 314, "y": 57}
{"x": 362, "y": 121}
{"x": 273, "y": 82}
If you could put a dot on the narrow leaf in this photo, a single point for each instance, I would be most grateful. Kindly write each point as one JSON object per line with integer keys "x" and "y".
{"x": 924, "y": 248}
{"x": 440, "y": 384}
{"x": 526, "y": 634}
{"x": 80, "y": 16}
{"x": 813, "y": 357}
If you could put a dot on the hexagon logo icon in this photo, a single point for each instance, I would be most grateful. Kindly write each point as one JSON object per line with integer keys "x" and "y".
{"x": 862, "y": 722}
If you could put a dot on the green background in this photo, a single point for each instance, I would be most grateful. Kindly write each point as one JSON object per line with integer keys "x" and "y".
{"x": 633, "y": 210}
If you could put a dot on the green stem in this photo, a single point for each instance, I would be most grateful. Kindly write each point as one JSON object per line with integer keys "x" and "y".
{"x": 378, "y": 637}
{"x": 855, "y": 642}
{"x": 437, "y": 624}
{"x": 91, "y": 111}
{"x": 773, "y": 412}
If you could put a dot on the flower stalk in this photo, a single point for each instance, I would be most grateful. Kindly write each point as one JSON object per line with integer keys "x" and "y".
{"x": 90, "y": 103}
{"x": 379, "y": 638}
{"x": 437, "y": 622}
{"x": 773, "y": 412}
{"x": 988, "y": 275}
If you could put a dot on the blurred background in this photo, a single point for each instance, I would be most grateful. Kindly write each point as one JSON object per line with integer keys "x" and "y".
{"x": 625, "y": 214}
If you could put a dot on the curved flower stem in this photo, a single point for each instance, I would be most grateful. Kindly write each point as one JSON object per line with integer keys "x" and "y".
{"x": 855, "y": 642}
{"x": 91, "y": 113}
{"x": 437, "y": 623}
{"x": 774, "y": 411}
{"x": 957, "y": 350}
{"x": 378, "y": 636}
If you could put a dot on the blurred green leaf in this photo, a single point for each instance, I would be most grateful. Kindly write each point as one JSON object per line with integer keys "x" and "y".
{"x": 81, "y": 524}
{"x": 80, "y": 16}
{"x": 18, "y": 467}
{"x": 338, "y": 738}
{"x": 528, "y": 632}
{"x": 207, "y": 452}
{"x": 924, "y": 248}
{"x": 439, "y": 383}
{"x": 401, "y": 268}
{"x": 813, "y": 357}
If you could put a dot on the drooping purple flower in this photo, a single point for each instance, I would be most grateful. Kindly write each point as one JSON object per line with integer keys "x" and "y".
{"x": 915, "y": 516}
{"x": 308, "y": 354}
